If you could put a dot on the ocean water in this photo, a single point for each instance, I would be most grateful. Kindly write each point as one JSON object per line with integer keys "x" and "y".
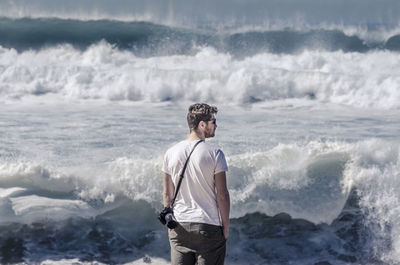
{"x": 92, "y": 95}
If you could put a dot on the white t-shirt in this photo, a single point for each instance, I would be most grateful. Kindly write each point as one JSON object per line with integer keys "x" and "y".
{"x": 197, "y": 198}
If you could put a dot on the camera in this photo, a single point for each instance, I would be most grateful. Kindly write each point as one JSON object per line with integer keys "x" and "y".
{"x": 167, "y": 217}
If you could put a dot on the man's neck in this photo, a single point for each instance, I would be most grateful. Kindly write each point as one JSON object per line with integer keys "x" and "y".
{"x": 195, "y": 136}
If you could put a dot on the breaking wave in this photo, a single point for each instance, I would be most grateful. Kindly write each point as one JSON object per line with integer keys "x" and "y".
{"x": 104, "y": 72}
{"x": 343, "y": 194}
{"x": 147, "y": 39}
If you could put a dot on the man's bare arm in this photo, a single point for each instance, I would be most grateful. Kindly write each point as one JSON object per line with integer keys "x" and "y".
{"x": 169, "y": 189}
{"x": 223, "y": 200}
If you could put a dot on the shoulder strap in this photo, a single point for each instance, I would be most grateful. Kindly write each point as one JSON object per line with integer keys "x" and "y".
{"x": 182, "y": 174}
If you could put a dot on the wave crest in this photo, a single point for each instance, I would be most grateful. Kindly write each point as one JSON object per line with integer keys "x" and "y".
{"x": 148, "y": 39}
{"x": 104, "y": 72}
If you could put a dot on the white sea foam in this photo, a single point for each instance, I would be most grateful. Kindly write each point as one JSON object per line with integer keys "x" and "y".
{"x": 33, "y": 208}
{"x": 304, "y": 181}
{"x": 367, "y": 80}
{"x": 310, "y": 181}
{"x": 136, "y": 179}
{"x": 141, "y": 261}
{"x": 7, "y": 192}
{"x": 375, "y": 172}
{"x": 32, "y": 176}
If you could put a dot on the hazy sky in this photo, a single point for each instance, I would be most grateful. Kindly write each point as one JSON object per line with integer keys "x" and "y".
{"x": 354, "y": 12}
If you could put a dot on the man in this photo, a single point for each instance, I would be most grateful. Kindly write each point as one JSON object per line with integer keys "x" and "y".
{"x": 202, "y": 204}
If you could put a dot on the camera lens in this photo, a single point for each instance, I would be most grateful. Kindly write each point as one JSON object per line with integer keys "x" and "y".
{"x": 170, "y": 220}
{"x": 161, "y": 218}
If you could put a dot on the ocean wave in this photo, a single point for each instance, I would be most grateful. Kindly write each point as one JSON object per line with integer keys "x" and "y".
{"x": 148, "y": 39}
{"x": 340, "y": 197}
{"x": 31, "y": 192}
{"x": 104, "y": 72}
{"x": 223, "y": 12}
{"x": 319, "y": 175}
{"x": 305, "y": 182}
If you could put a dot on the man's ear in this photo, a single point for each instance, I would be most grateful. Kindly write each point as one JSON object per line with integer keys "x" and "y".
{"x": 202, "y": 124}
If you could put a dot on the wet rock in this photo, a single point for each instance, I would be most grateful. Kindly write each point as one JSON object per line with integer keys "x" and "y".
{"x": 322, "y": 263}
{"x": 347, "y": 258}
{"x": 12, "y": 250}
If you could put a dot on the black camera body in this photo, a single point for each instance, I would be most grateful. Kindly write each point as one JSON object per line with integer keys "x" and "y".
{"x": 167, "y": 217}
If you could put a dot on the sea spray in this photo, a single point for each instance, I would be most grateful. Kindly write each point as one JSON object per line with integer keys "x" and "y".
{"x": 282, "y": 14}
{"x": 375, "y": 175}
{"x": 104, "y": 72}
{"x": 310, "y": 183}
{"x": 149, "y": 39}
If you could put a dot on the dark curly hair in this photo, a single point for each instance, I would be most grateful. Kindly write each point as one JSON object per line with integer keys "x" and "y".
{"x": 200, "y": 112}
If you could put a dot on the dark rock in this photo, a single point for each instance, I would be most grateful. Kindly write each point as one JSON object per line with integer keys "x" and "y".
{"x": 322, "y": 263}
{"x": 12, "y": 250}
{"x": 281, "y": 218}
{"x": 347, "y": 258}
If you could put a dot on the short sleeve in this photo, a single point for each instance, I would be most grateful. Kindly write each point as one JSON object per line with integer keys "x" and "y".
{"x": 165, "y": 167}
{"x": 221, "y": 164}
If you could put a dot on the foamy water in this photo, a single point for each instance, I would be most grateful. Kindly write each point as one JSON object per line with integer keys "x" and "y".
{"x": 104, "y": 72}
{"x": 98, "y": 167}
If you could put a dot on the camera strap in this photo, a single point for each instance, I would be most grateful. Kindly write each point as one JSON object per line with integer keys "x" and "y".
{"x": 182, "y": 174}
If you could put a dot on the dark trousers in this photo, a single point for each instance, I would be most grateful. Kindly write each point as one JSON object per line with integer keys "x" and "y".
{"x": 197, "y": 243}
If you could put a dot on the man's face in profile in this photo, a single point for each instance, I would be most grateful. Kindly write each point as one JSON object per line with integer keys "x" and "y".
{"x": 210, "y": 128}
